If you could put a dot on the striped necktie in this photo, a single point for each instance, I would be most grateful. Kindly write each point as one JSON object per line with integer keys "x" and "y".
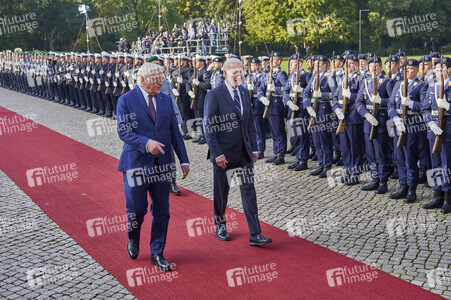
{"x": 236, "y": 99}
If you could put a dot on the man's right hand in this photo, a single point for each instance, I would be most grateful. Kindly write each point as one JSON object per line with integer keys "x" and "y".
{"x": 154, "y": 147}
{"x": 221, "y": 161}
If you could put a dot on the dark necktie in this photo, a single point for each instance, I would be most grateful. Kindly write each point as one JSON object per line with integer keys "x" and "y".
{"x": 236, "y": 99}
{"x": 152, "y": 109}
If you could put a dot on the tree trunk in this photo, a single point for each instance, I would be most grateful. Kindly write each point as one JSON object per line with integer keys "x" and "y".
{"x": 52, "y": 38}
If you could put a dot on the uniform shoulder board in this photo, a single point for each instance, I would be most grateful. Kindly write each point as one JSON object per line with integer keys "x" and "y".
{"x": 355, "y": 75}
{"x": 431, "y": 76}
{"x": 302, "y": 72}
{"x": 397, "y": 78}
{"x": 449, "y": 84}
{"x": 381, "y": 80}
{"x": 415, "y": 83}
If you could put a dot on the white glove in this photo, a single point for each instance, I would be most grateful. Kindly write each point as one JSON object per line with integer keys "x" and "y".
{"x": 107, "y": 84}
{"x": 60, "y": 69}
{"x": 91, "y": 80}
{"x": 405, "y": 101}
{"x": 58, "y": 77}
{"x": 399, "y": 124}
{"x": 108, "y": 74}
{"x": 372, "y": 120}
{"x": 191, "y": 94}
{"x": 297, "y": 89}
{"x": 265, "y": 101}
{"x": 76, "y": 79}
{"x": 88, "y": 69}
{"x": 311, "y": 111}
{"x": 376, "y": 99}
{"x": 86, "y": 78}
{"x": 195, "y": 81}
{"x": 123, "y": 83}
{"x": 101, "y": 72}
{"x": 175, "y": 92}
{"x": 131, "y": 86}
{"x": 134, "y": 76}
{"x": 99, "y": 81}
{"x": 317, "y": 94}
{"x": 339, "y": 114}
{"x": 93, "y": 72}
{"x": 442, "y": 103}
{"x": 346, "y": 93}
{"x": 271, "y": 87}
{"x": 180, "y": 80}
{"x": 81, "y": 80}
{"x": 116, "y": 74}
{"x": 292, "y": 106}
{"x": 115, "y": 84}
{"x": 434, "y": 128}
{"x": 210, "y": 67}
{"x": 250, "y": 86}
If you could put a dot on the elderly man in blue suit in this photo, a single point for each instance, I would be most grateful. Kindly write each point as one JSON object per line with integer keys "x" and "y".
{"x": 148, "y": 126}
{"x": 230, "y": 134}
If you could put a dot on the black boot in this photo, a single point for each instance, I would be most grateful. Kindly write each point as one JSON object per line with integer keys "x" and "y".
{"x": 271, "y": 159}
{"x": 437, "y": 200}
{"x": 337, "y": 156}
{"x": 371, "y": 186}
{"x": 411, "y": 195}
{"x": 174, "y": 189}
{"x": 202, "y": 140}
{"x": 317, "y": 171}
{"x": 279, "y": 160}
{"x": 400, "y": 193}
{"x": 382, "y": 189}
{"x": 446, "y": 208}
{"x": 352, "y": 180}
{"x": 395, "y": 174}
{"x": 261, "y": 154}
{"x": 293, "y": 165}
{"x": 196, "y": 140}
{"x": 301, "y": 166}
{"x": 291, "y": 149}
{"x": 422, "y": 177}
{"x": 323, "y": 174}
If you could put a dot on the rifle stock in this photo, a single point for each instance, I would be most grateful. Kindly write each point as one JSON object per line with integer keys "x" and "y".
{"x": 402, "y": 135}
{"x": 194, "y": 101}
{"x": 341, "y": 124}
{"x": 296, "y": 95}
{"x": 373, "y": 130}
{"x": 268, "y": 92}
{"x": 312, "y": 123}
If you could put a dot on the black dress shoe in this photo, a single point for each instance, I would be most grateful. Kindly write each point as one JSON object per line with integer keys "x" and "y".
{"x": 133, "y": 248}
{"x": 400, "y": 193}
{"x": 382, "y": 189}
{"x": 411, "y": 195}
{"x": 422, "y": 177}
{"x": 271, "y": 159}
{"x": 259, "y": 240}
{"x": 371, "y": 186}
{"x": 160, "y": 262}
{"x": 337, "y": 156}
{"x": 446, "y": 208}
{"x": 279, "y": 160}
{"x": 323, "y": 174}
{"x": 221, "y": 233}
{"x": 301, "y": 166}
{"x": 352, "y": 180}
{"x": 174, "y": 189}
{"x": 186, "y": 136}
{"x": 294, "y": 165}
{"x": 437, "y": 200}
{"x": 196, "y": 140}
{"x": 202, "y": 141}
{"x": 261, "y": 154}
{"x": 317, "y": 171}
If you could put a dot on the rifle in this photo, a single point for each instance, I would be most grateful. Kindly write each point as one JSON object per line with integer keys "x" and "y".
{"x": 115, "y": 91}
{"x": 249, "y": 80}
{"x": 341, "y": 124}
{"x": 333, "y": 62}
{"x": 179, "y": 73}
{"x": 101, "y": 77}
{"x": 422, "y": 70}
{"x": 296, "y": 95}
{"x": 437, "y": 148}
{"x": 312, "y": 123}
{"x": 77, "y": 66}
{"x": 194, "y": 101}
{"x": 389, "y": 67}
{"x": 402, "y": 135}
{"x": 128, "y": 77}
{"x": 93, "y": 68}
{"x": 373, "y": 130}
{"x": 269, "y": 93}
{"x": 108, "y": 88}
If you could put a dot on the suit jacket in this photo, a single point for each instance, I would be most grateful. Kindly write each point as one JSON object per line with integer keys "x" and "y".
{"x": 136, "y": 127}
{"x": 226, "y": 131}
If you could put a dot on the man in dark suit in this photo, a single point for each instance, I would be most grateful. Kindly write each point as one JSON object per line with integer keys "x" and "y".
{"x": 148, "y": 126}
{"x": 230, "y": 134}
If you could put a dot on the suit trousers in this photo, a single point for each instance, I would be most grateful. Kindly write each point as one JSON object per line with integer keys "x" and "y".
{"x": 221, "y": 186}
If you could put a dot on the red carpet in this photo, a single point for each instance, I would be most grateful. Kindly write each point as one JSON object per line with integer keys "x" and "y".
{"x": 288, "y": 268}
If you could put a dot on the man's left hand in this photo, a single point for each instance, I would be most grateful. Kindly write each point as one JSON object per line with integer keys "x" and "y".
{"x": 185, "y": 170}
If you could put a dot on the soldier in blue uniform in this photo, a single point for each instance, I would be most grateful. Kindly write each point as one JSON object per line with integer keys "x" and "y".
{"x": 300, "y": 139}
{"x": 276, "y": 108}
{"x": 322, "y": 132}
{"x": 257, "y": 107}
{"x": 351, "y": 140}
{"x": 377, "y": 150}
{"x": 441, "y": 162}
{"x": 396, "y": 76}
{"x": 202, "y": 88}
{"x": 407, "y": 157}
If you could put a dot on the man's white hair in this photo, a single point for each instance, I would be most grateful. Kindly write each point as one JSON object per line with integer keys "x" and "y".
{"x": 231, "y": 61}
{"x": 148, "y": 70}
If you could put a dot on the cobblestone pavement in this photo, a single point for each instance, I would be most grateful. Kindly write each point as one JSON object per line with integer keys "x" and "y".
{"x": 401, "y": 239}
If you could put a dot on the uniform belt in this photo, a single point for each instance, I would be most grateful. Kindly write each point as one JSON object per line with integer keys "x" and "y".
{"x": 409, "y": 112}
{"x": 342, "y": 102}
{"x": 276, "y": 95}
{"x": 370, "y": 107}
{"x": 436, "y": 113}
